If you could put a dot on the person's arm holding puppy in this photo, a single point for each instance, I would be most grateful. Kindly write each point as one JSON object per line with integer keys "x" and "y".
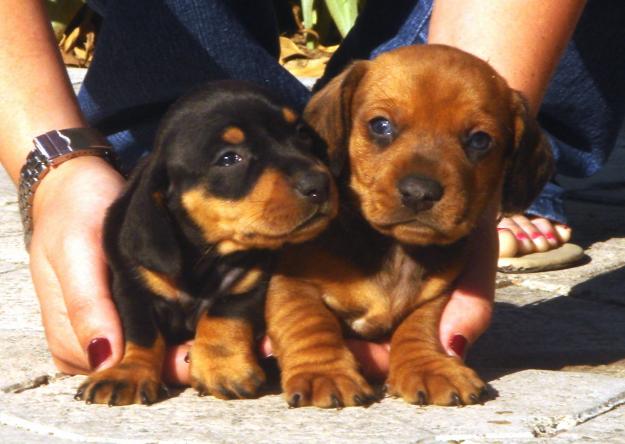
{"x": 523, "y": 40}
{"x": 66, "y": 259}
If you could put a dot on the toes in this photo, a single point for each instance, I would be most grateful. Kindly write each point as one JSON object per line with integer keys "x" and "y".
{"x": 563, "y": 232}
{"x": 455, "y": 385}
{"x": 524, "y": 244}
{"x": 120, "y": 392}
{"x": 327, "y": 391}
{"x": 508, "y": 246}
{"x": 519, "y": 235}
{"x": 530, "y": 238}
{"x": 243, "y": 385}
{"x": 80, "y": 393}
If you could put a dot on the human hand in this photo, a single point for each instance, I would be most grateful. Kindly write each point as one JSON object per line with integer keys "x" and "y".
{"x": 68, "y": 265}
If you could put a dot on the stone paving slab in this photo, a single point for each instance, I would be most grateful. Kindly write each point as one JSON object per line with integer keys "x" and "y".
{"x": 535, "y": 329}
{"x": 531, "y": 404}
{"x": 608, "y": 428}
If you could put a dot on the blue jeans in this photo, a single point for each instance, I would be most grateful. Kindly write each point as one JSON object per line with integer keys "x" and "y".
{"x": 149, "y": 52}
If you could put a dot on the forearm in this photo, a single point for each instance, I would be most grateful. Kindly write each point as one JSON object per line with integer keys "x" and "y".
{"x": 522, "y": 39}
{"x": 36, "y": 93}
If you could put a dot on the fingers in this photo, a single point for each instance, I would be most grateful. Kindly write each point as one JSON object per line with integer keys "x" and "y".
{"x": 176, "y": 366}
{"x": 69, "y": 268}
{"x": 373, "y": 357}
{"x": 83, "y": 278}
{"x": 66, "y": 351}
{"x": 464, "y": 320}
{"x": 79, "y": 317}
{"x": 469, "y": 310}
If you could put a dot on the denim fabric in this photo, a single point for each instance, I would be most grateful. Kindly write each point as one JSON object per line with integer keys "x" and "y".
{"x": 151, "y": 51}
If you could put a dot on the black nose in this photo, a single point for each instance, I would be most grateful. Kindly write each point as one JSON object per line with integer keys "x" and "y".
{"x": 313, "y": 185}
{"x": 419, "y": 193}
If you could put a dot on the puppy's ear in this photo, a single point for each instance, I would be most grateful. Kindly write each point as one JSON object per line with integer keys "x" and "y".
{"x": 530, "y": 164}
{"x": 147, "y": 235}
{"x": 329, "y": 112}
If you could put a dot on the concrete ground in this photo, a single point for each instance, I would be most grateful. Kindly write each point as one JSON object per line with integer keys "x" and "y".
{"x": 555, "y": 356}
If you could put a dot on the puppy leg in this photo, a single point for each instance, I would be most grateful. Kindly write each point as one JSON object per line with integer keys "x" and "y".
{"x": 316, "y": 367}
{"x": 137, "y": 378}
{"x": 224, "y": 362}
{"x": 420, "y": 371}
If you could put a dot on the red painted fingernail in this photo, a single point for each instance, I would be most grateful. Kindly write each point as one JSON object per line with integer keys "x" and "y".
{"x": 501, "y": 229}
{"x": 537, "y": 235}
{"x": 98, "y": 351}
{"x": 550, "y": 236}
{"x": 522, "y": 236}
{"x": 458, "y": 344}
{"x": 187, "y": 358}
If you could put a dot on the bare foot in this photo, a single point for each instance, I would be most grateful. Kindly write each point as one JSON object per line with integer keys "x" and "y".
{"x": 519, "y": 235}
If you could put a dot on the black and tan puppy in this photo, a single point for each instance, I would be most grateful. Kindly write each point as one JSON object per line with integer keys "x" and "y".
{"x": 235, "y": 175}
{"x": 425, "y": 139}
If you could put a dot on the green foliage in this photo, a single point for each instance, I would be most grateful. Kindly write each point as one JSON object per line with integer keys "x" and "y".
{"x": 342, "y": 12}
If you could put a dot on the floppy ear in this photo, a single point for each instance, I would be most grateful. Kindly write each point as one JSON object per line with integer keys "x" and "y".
{"x": 147, "y": 235}
{"x": 329, "y": 113}
{"x": 530, "y": 164}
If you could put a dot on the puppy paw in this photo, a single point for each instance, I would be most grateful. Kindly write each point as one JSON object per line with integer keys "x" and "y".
{"x": 331, "y": 389}
{"x": 445, "y": 381}
{"x": 123, "y": 385}
{"x": 225, "y": 374}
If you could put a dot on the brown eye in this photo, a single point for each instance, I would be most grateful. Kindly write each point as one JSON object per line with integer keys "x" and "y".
{"x": 228, "y": 159}
{"x": 479, "y": 141}
{"x": 382, "y": 130}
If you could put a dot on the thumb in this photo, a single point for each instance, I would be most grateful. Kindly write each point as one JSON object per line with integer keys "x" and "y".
{"x": 464, "y": 319}
{"x": 83, "y": 277}
{"x": 469, "y": 310}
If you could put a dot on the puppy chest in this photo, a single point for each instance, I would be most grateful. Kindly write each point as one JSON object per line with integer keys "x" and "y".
{"x": 373, "y": 305}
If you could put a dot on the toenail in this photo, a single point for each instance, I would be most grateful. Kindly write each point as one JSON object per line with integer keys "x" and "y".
{"x": 537, "y": 235}
{"x": 550, "y": 236}
{"x": 522, "y": 236}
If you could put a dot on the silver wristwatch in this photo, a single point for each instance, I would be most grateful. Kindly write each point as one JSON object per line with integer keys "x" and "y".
{"x": 52, "y": 149}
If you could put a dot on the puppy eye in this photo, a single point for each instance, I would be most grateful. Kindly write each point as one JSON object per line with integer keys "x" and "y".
{"x": 382, "y": 130}
{"x": 228, "y": 159}
{"x": 479, "y": 141}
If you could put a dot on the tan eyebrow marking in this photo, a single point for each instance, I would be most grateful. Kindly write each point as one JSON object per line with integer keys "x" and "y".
{"x": 233, "y": 135}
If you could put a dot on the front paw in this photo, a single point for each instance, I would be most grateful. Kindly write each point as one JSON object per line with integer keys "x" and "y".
{"x": 223, "y": 373}
{"x": 443, "y": 381}
{"x": 123, "y": 384}
{"x": 327, "y": 389}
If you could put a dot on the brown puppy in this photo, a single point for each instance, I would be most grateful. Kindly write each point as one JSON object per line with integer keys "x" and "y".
{"x": 423, "y": 139}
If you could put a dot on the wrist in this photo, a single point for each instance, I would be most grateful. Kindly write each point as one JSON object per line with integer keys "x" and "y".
{"x": 75, "y": 184}
{"x": 52, "y": 150}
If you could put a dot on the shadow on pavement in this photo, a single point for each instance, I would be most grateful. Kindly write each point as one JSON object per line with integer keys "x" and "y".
{"x": 585, "y": 328}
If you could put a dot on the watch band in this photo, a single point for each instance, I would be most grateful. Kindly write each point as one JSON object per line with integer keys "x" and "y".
{"x": 52, "y": 149}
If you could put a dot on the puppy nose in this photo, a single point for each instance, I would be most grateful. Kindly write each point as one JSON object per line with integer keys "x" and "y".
{"x": 313, "y": 185}
{"x": 419, "y": 193}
